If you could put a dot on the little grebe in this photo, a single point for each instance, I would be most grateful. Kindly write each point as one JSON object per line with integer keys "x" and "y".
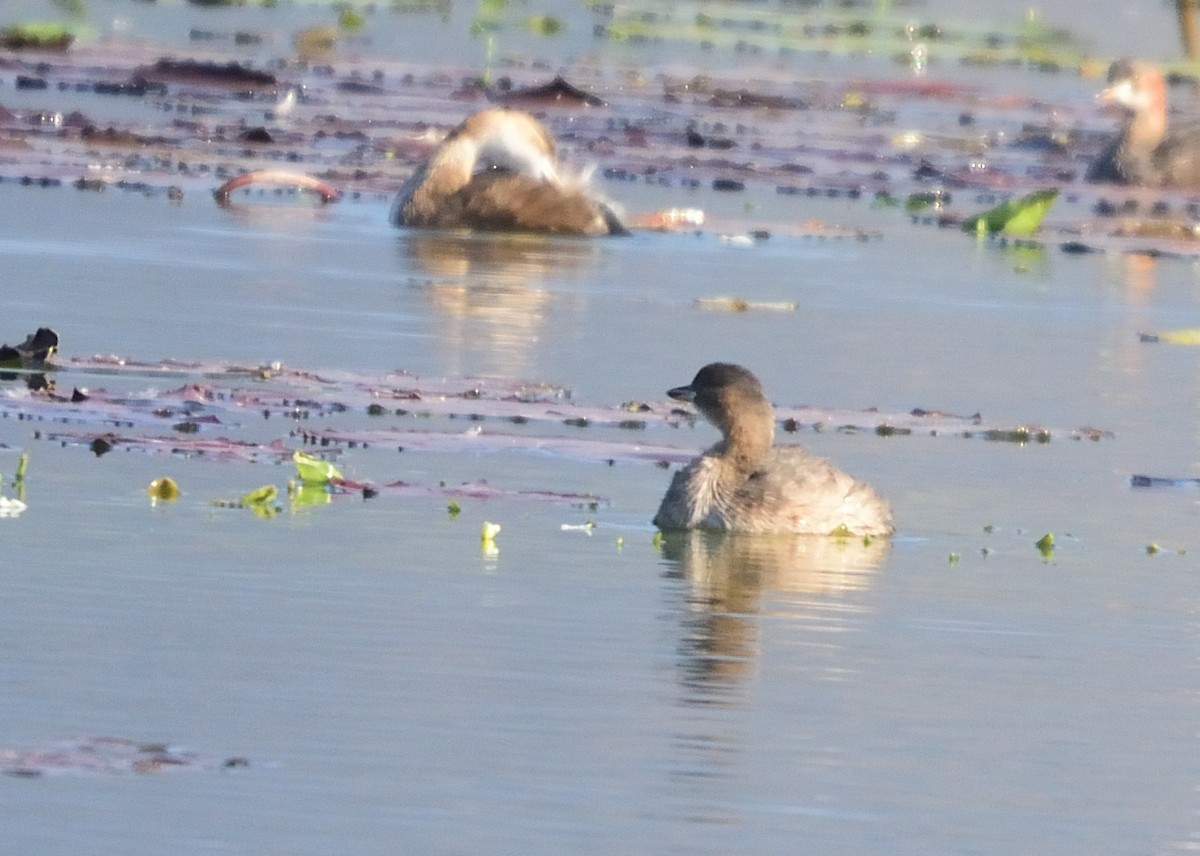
{"x": 745, "y": 483}
{"x": 1145, "y": 153}
{"x": 497, "y": 171}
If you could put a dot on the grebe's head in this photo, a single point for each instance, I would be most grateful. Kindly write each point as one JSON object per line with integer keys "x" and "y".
{"x": 731, "y": 398}
{"x": 1135, "y": 86}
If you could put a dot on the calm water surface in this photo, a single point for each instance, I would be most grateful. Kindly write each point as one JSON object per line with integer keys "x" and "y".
{"x": 395, "y": 688}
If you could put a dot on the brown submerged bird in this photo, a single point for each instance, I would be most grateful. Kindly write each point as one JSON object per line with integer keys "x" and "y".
{"x": 498, "y": 171}
{"x": 1145, "y": 152}
{"x": 745, "y": 483}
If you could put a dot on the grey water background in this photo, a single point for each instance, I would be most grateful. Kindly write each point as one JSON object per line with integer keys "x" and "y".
{"x": 397, "y": 689}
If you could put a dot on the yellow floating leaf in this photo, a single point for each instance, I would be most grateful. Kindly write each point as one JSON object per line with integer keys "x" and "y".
{"x": 1187, "y": 336}
{"x": 164, "y": 489}
{"x": 309, "y": 494}
{"x": 260, "y": 496}
{"x": 313, "y": 470}
{"x": 316, "y": 41}
{"x": 487, "y": 542}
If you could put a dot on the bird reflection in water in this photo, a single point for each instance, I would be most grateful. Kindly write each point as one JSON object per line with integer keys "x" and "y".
{"x": 733, "y": 579}
{"x": 732, "y": 575}
{"x": 490, "y": 292}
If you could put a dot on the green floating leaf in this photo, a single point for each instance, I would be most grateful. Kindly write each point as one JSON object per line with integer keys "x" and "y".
{"x": 313, "y": 470}
{"x": 309, "y": 494}
{"x": 1045, "y": 545}
{"x": 545, "y": 25}
{"x": 917, "y": 202}
{"x": 37, "y": 36}
{"x": 351, "y": 20}
{"x": 260, "y": 496}
{"x": 1015, "y": 217}
{"x": 454, "y": 509}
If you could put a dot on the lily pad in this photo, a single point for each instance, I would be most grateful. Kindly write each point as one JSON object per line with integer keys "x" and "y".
{"x": 313, "y": 470}
{"x": 1015, "y": 217}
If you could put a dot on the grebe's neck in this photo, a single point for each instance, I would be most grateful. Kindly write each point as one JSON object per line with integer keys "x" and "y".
{"x": 1142, "y": 93}
{"x": 1146, "y": 128}
{"x": 749, "y": 433}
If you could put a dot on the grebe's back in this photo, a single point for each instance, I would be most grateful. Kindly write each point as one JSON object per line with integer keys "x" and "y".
{"x": 497, "y": 171}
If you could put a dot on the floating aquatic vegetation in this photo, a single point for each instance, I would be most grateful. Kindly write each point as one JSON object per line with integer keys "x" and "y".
{"x": 558, "y": 92}
{"x": 34, "y": 352}
{"x": 217, "y": 396}
{"x": 163, "y": 490}
{"x": 230, "y": 74}
{"x": 43, "y": 36}
{"x": 260, "y": 495}
{"x": 316, "y": 42}
{"x": 13, "y": 506}
{"x": 1187, "y": 336}
{"x": 261, "y": 501}
{"x": 1014, "y": 217}
{"x": 840, "y": 29}
{"x": 324, "y": 190}
{"x": 108, "y": 756}
{"x": 350, "y": 19}
{"x": 1045, "y": 546}
{"x": 1153, "y": 549}
{"x": 737, "y": 304}
{"x": 304, "y": 494}
{"x": 314, "y": 471}
{"x": 487, "y": 539}
{"x": 926, "y": 199}
{"x": 1164, "y": 481}
{"x": 544, "y": 25}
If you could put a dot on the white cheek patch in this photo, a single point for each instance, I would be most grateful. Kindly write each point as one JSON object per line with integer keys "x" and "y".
{"x": 1128, "y": 95}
